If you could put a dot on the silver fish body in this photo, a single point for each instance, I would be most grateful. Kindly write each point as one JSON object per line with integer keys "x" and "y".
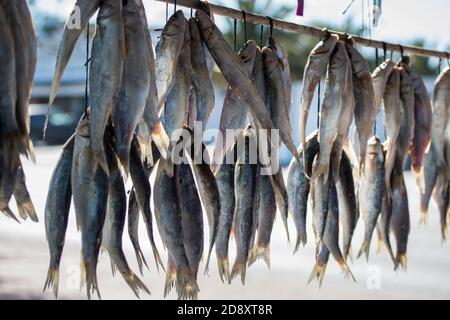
{"x": 108, "y": 54}
{"x": 57, "y": 208}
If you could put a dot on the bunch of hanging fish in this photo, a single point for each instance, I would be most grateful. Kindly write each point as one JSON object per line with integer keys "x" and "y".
{"x": 17, "y": 68}
{"x": 376, "y": 190}
{"x": 434, "y": 178}
{"x": 136, "y": 102}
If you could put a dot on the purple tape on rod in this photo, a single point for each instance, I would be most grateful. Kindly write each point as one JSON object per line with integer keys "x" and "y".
{"x": 300, "y": 7}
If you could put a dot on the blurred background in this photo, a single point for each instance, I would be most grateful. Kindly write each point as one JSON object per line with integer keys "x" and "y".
{"x": 23, "y": 251}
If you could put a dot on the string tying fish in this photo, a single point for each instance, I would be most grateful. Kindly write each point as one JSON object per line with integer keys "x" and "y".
{"x": 270, "y": 25}
{"x": 88, "y": 59}
{"x": 261, "y": 36}
{"x": 175, "y": 6}
{"x": 244, "y": 16}
{"x": 318, "y": 104}
{"x": 235, "y": 35}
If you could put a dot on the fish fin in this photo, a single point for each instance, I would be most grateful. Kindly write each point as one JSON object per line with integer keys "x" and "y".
{"x": 259, "y": 252}
{"x": 365, "y": 248}
{"x": 135, "y": 284}
{"x": 171, "y": 279}
{"x": 7, "y": 212}
{"x": 186, "y": 285}
{"x": 239, "y": 268}
{"x": 318, "y": 273}
{"x": 52, "y": 281}
{"x": 224, "y": 269}
{"x": 301, "y": 240}
{"x": 27, "y": 209}
{"x": 402, "y": 261}
{"x": 161, "y": 140}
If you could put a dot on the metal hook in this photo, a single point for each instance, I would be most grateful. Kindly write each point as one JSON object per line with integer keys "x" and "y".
{"x": 384, "y": 50}
{"x": 244, "y": 15}
{"x": 439, "y": 66}
{"x": 175, "y": 6}
{"x": 401, "y": 51}
{"x": 448, "y": 58}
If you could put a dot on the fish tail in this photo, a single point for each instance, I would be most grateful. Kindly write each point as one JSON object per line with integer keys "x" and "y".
{"x": 171, "y": 279}
{"x": 444, "y": 232}
{"x": 167, "y": 166}
{"x": 7, "y": 212}
{"x": 239, "y": 268}
{"x": 260, "y": 252}
{"x": 348, "y": 255}
{"x": 156, "y": 255}
{"x": 365, "y": 248}
{"x": 346, "y": 270}
{"x": 318, "y": 273}
{"x": 22, "y": 214}
{"x": 123, "y": 154}
{"x": 186, "y": 285}
{"x": 140, "y": 260}
{"x": 301, "y": 240}
{"x": 26, "y": 209}
{"x": 286, "y": 227}
{"x": 30, "y": 148}
{"x": 320, "y": 169}
{"x": 52, "y": 280}
{"x": 423, "y": 218}
{"x": 113, "y": 268}
{"x": 224, "y": 269}
{"x": 99, "y": 160}
{"x": 91, "y": 279}
{"x": 402, "y": 261}
{"x": 135, "y": 283}
{"x": 161, "y": 140}
{"x": 206, "y": 272}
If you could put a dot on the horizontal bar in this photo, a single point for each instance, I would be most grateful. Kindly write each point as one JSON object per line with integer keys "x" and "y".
{"x": 312, "y": 31}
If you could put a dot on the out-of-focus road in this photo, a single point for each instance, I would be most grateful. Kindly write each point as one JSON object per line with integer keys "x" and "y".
{"x": 24, "y": 260}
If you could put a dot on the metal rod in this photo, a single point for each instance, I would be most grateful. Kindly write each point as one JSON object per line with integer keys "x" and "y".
{"x": 312, "y": 31}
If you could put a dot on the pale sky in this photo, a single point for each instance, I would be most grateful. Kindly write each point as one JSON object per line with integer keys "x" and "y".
{"x": 401, "y": 20}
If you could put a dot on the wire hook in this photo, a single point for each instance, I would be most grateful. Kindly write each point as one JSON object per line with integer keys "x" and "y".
{"x": 175, "y": 6}
{"x": 448, "y": 58}
{"x": 244, "y": 15}
{"x": 384, "y": 50}
{"x": 401, "y": 51}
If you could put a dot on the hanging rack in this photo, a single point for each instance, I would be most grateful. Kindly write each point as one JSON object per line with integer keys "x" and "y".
{"x": 303, "y": 29}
